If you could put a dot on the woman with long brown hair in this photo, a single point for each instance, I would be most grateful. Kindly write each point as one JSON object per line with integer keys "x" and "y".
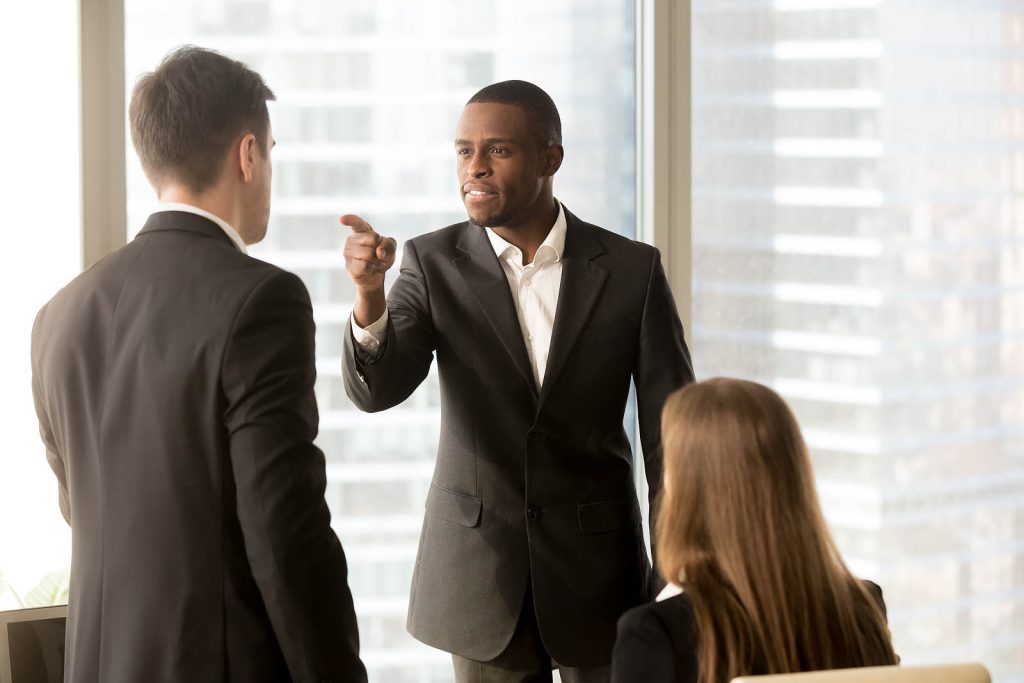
{"x": 740, "y": 532}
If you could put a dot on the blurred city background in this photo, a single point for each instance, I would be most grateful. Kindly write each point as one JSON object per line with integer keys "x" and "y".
{"x": 858, "y": 244}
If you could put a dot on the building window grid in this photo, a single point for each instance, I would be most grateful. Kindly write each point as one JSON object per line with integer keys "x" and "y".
{"x": 991, "y": 519}
{"x": 854, "y": 240}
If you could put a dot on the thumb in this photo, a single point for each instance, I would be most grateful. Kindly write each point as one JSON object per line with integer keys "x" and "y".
{"x": 386, "y": 249}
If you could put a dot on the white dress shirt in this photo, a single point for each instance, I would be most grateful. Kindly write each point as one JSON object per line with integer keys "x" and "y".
{"x": 534, "y": 289}
{"x": 236, "y": 239}
{"x": 670, "y": 590}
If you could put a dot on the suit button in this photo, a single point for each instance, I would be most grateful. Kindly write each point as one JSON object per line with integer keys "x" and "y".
{"x": 533, "y": 512}
{"x": 533, "y": 437}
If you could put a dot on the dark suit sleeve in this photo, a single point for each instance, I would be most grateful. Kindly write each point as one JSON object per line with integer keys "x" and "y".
{"x": 643, "y": 650}
{"x": 662, "y": 366}
{"x": 53, "y": 455}
{"x": 382, "y": 381}
{"x": 271, "y": 416}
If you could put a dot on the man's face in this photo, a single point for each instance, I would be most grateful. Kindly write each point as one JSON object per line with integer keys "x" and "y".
{"x": 499, "y": 162}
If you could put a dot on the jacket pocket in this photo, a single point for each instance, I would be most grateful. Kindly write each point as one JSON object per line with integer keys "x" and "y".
{"x": 605, "y": 516}
{"x": 457, "y": 508}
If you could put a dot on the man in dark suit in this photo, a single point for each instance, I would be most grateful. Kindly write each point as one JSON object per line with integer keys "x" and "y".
{"x": 173, "y": 382}
{"x": 531, "y": 545}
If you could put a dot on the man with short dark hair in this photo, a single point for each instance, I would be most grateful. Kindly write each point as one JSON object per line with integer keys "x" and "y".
{"x": 531, "y": 546}
{"x": 173, "y": 382}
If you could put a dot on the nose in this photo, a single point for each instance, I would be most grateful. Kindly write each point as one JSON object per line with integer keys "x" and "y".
{"x": 477, "y": 166}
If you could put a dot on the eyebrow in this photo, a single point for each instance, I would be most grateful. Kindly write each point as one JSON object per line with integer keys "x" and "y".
{"x": 489, "y": 141}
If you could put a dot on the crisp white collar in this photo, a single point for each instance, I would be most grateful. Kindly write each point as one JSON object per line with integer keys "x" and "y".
{"x": 670, "y": 590}
{"x": 555, "y": 241}
{"x": 224, "y": 225}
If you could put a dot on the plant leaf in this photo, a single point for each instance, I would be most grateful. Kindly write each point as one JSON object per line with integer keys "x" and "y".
{"x": 9, "y": 598}
{"x": 52, "y": 590}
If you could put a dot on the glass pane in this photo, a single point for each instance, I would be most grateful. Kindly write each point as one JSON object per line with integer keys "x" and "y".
{"x": 859, "y": 245}
{"x": 39, "y": 190}
{"x": 368, "y": 98}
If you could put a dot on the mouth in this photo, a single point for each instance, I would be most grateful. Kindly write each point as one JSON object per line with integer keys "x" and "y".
{"x": 475, "y": 195}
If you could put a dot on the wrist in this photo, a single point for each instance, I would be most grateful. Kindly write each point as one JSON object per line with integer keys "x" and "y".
{"x": 369, "y": 305}
{"x": 370, "y": 292}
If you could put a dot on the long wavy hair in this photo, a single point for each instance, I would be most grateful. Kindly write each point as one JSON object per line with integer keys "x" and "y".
{"x": 741, "y": 529}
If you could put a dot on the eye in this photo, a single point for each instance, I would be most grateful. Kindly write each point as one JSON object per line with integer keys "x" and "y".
{"x": 499, "y": 150}
{"x": 463, "y": 151}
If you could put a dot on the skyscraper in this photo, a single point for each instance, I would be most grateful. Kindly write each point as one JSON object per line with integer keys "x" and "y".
{"x": 858, "y": 243}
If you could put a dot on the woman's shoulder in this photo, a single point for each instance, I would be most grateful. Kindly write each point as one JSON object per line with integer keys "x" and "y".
{"x": 672, "y": 615}
{"x": 873, "y": 588}
{"x": 656, "y": 643}
{"x": 875, "y": 591}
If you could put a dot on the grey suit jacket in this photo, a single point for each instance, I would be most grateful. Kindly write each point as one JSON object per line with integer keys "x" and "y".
{"x": 173, "y": 381}
{"x": 529, "y": 484}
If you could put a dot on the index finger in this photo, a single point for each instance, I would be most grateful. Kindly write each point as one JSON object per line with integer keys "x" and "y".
{"x": 355, "y": 222}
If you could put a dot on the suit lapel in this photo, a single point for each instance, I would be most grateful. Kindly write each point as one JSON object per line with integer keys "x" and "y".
{"x": 581, "y": 284}
{"x": 485, "y": 278}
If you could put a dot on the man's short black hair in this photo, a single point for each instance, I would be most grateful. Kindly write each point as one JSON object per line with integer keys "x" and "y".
{"x": 186, "y": 114}
{"x": 540, "y": 109}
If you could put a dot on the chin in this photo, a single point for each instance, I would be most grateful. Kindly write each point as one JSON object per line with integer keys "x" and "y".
{"x": 482, "y": 221}
{"x": 489, "y": 220}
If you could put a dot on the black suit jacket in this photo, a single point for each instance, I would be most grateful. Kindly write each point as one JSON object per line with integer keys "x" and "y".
{"x": 529, "y": 484}
{"x": 657, "y": 642}
{"x": 173, "y": 381}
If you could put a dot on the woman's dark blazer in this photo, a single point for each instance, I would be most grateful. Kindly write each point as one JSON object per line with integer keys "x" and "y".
{"x": 657, "y": 641}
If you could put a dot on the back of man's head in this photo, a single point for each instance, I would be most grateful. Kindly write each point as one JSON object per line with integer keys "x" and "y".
{"x": 187, "y": 113}
{"x": 540, "y": 109}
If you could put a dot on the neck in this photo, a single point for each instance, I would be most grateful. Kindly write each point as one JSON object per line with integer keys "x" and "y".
{"x": 528, "y": 235}
{"x": 216, "y": 202}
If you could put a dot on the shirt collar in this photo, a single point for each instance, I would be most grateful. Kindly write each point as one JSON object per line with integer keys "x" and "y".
{"x": 670, "y": 590}
{"x": 554, "y": 242}
{"x": 232, "y": 234}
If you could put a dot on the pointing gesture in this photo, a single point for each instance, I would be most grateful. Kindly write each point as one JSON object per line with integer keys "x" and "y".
{"x": 367, "y": 257}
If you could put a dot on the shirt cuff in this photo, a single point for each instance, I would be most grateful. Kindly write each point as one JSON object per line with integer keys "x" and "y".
{"x": 370, "y": 338}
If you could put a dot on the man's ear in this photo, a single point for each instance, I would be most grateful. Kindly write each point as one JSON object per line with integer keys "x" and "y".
{"x": 247, "y": 156}
{"x": 551, "y": 158}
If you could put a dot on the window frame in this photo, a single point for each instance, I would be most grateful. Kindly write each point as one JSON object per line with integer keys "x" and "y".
{"x": 663, "y": 136}
{"x": 102, "y": 120}
{"x": 662, "y": 142}
{"x": 663, "y": 161}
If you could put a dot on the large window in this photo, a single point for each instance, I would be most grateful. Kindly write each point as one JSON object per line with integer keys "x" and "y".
{"x": 39, "y": 194}
{"x": 858, "y": 230}
{"x": 368, "y": 97}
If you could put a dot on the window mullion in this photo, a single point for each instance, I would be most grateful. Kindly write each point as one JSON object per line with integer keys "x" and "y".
{"x": 102, "y": 98}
